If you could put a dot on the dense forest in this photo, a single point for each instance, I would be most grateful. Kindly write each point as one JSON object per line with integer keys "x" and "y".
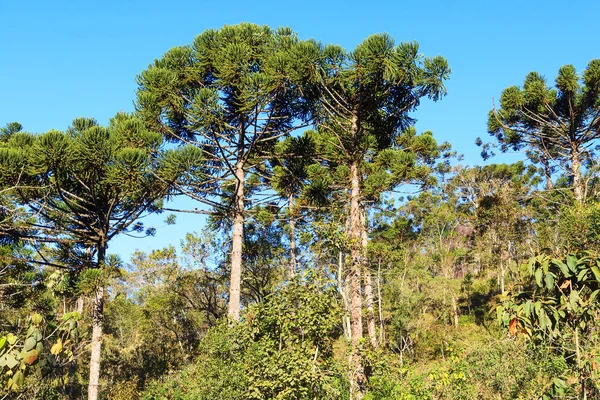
{"x": 346, "y": 254}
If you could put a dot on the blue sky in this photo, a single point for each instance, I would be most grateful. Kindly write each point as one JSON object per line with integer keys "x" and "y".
{"x": 66, "y": 59}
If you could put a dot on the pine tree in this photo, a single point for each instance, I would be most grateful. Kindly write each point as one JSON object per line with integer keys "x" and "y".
{"x": 77, "y": 190}
{"x": 232, "y": 93}
{"x": 556, "y": 125}
{"x": 366, "y": 98}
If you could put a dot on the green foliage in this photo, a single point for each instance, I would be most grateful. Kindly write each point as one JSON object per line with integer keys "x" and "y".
{"x": 491, "y": 369}
{"x": 282, "y": 349}
{"x": 431, "y": 268}
{"x": 560, "y": 308}
{"x": 25, "y": 360}
{"x": 579, "y": 227}
{"x": 556, "y": 124}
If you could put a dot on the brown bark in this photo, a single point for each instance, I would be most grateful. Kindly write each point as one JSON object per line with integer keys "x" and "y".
{"x": 576, "y": 173}
{"x": 237, "y": 242}
{"x": 293, "y": 250}
{"x": 96, "y": 345}
{"x": 358, "y": 385}
{"x": 372, "y": 331}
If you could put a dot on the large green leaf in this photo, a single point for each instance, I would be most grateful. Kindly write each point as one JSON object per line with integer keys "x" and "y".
{"x": 11, "y": 360}
{"x": 572, "y": 263}
{"x": 549, "y": 280}
{"x": 29, "y": 343}
{"x": 538, "y": 276}
{"x": 12, "y": 339}
{"x": 563, "y": 267}
{"x": 596, "y": 272}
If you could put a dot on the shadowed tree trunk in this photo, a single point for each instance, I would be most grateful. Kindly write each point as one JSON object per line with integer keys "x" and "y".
{"x": 293, "y": 250}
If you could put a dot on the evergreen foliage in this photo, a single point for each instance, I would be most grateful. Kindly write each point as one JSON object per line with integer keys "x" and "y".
{"x": 471, "y": 282}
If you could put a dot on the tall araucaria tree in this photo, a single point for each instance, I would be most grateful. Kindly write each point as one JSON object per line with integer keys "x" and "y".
{"x": 232, "y": 93}
{"x": 367, "y": 95}
{"x": 81, "y": 188}
{"x": 559, "y": 125}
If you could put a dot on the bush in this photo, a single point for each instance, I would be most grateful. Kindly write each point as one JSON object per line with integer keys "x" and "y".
{"x": 282, "y": 349}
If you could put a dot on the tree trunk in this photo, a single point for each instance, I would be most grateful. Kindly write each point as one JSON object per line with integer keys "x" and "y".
{"x": 547, "y": 173}
{"x": 293, "y": 250}
{"x": 368, "y": 284}
{"x": 358, "y": 383}
{"x": 343, "y": 292}
{"x": 502, "y": 274}
{"x": 578, "y": 356}
{"x": 576, "y": 173}
{"x": 237, "y": 244}
{"x": 381, "y": 326}
{"x": 79, "y": 304}
{"x": 455, "y": 311}
{"x": 98, "y": 319}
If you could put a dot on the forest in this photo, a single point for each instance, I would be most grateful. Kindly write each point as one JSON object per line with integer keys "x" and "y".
{"x": 345, "y": 254}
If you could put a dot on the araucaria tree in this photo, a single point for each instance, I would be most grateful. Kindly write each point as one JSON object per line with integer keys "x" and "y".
{"x": 78, "y": 189}
{"x": 232, "y": 93}
{"x": 560, "y": 125}
{"x": 366, "y": 98}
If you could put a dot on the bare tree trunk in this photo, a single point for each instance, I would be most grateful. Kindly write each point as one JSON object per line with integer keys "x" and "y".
{"x": 576, "y": 173}
{"x": 455, "y": 311}
{"x": 293, "y": 250}
{"x": 502, "y": 273}
{"x": 381, "y": 326}
{"x": 237, "y": 242}
{"x": 368, "y": 284}
{"x": 578, "y": 357}
{"x": 358, "y": 384}
{"x": 79, "y": 305}
{"x": 98, "y": 319}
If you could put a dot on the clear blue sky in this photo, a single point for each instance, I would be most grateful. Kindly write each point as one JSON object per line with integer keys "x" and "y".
{"x": 66, "y": 59}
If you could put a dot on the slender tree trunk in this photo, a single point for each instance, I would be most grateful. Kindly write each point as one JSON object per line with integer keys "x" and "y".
{"x": 343, "y": 292}
{"x": 358, "y": 373}
{"x": 576, "y": 173}
{"x": 502, "y": 273}
{"x": 578, "y": 356}
{"x": 381, "y": 326}
{"x": 79, "y": 305}
{"x": 98, "y": 319}
{"x": 371, "y": 329}
{"x": 547, "y": 173}
{"x": 455, "y": 311}
{"x": 237, "y": 244}
{"x": 368, "y": 284}
{"x": 293, "y": 250}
